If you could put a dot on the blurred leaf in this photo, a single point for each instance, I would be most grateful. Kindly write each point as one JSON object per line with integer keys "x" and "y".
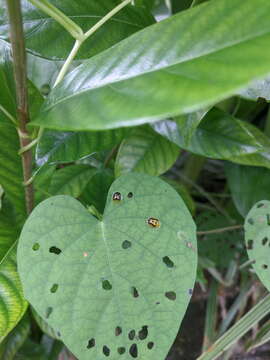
{"x": 261, "y": 337}
{"x": 40, "y": 29}
{"x": 71, "y": 180}
{"x": 164, "y": 73}
{"x": 12, "y": 302}
{"x": 33, "y": 351}
{"x": 9, "y": 229}
{"x": 56, "y": 146}
{"x": 179, "y": 5}
{"x": 248, "y": 185}
{"x": 258, "y": 89}
{"x": 15, "y": 339}
{"x": 95, "y": 192}
{"x": 257, "y": 235}
{"x": 42, "y": 182}
{"x": 44, "y": 326}
{"x": 11, "y": 174}
{"x": 219, "y": 136}
{"x": 145, "y": 151}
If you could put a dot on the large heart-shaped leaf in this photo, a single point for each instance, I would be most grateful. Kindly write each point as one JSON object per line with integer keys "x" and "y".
{"x": 176, "y": 66}
{"x": 257, "y": 236}
{"x": 40, "y": 29}
{"x": 120, "y": 285}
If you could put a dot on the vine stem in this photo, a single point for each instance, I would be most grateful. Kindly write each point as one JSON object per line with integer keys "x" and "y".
{"x": 19, "y": 68}
{"x": 221, "y": 230}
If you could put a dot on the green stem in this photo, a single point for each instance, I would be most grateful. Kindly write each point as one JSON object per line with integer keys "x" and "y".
{"x": 74, "y": 30}
{"x": 221, "y": 230}
{"x": 19, "y": 67}
{"x": 8, "y": 115}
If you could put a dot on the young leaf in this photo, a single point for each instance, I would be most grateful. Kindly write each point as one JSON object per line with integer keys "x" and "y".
{"x": 56, "y": 146}
{"x": 257, "y": 236}
{"x": 164, "y": 73}
{"x": 12, "y": 302}
{"x": 15, "y": 339}
{"x": 40, "y": 29}
{"x": 219, "y": 136}
{"x": 145, "y": 151}
{"x": 108, "y": 285}
{"x": 248, "y": 185}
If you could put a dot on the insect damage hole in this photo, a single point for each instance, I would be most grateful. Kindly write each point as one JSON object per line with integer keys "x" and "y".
{"x": 133, "y": 351}
{"x": 55, "y": 250}
{"x": 150, "y": 345}
{"x": 143, "y": 333}
{"x": 250, "y": 245}
{"x": 121, "y": 350}
{"x": 171, "y": 295}
{"x": 264, "y": 241}
{"x": 264, "y": 266}
{"x": 54, "y": 288}
{"x": 251, "y": 221}
{"x": 126, "y": 244}
{"x": 130, "y": 195}
{"x": 106, "y": 285}
{"x": 91, "y": 343}
{"x": 48, "y": 313}
{"x": 118, "y": 331}
{"x": 106, "y": 351}
{"x": 131, "y": 335}
{"x": 167, "y": 261}
{"x": 134, "y": 292}
{"x": 260, "y": 205}
{"x": 117, "y": 196}
{"x": 36, "y": 246}
{"x": 268, "y": 219}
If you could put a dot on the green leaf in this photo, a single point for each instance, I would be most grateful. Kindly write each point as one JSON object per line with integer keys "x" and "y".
{"x": 108, "y": 285}
{"x": 145, "y": 151}
{"x": 40, "y": 29}
{"x": 257, "y": 235}
{"x": 12, "y": 302}
{"x": 248, "y": 185}
{"x": 15, "y": 339}
{"x": 44, "y": 326}
{"x": 9, "y": 230}
{"x": 95, "y": 192}
{"x": 166, "y": 74}
{"x": 11, "y": 175}
{"x": 258, "y": 89}
{"x": 219, "y": 136}
{"x": 71, "y": 180}
{"x": 56, "y": 146}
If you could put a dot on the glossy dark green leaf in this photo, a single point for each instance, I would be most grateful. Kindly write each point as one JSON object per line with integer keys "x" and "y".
{"x": 71, "y": 180}
{"x": 9, "y": 230}
{"x": 145, "y": 151}
{"x": 11, "y": 175}
{"x": 15, "y": 339}
{"x": 56, "y": 146}
{"x": 12, "y": 302}
{"x": 95, "y": 192}
{"x": 131, "y": 271}
{"x": 219, "y": 136}
{"x": 248, "y": 185}
{"x": 176, "y": 66}
{"x": 41, "y": 30}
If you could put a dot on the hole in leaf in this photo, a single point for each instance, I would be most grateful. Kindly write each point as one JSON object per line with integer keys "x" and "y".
{"x": 250, "y": 221}
{"x": 158, "y": 303}
{"x": 91, "y": 343}
{"x": 153, "y": 222}
{"x": 36, "y": 246}
{"x": 264, "y": 241}
{"x": 55, "y": 250}
{"x": 130, "y": 195}
{"x": 106, "y": 350}
{"x": 150, "y": 345}
{"x": 135, "y": 292}
{"x": 190, "y": 291}
{"x": 133, "y": 350}
{"x": 118, "y": 331}
{"x": 143, "y": 333}
{"x": 58, "y": 334}
{"x": 49, "y": 310}
{"x": 268, "y": 219}
{"x": 117, "y": 196}
{"x": 250, "y": 244}
{"x": 106, "y": 285}
{"x": 171, "y": 295}
{"x": 126, "y": 244}
{"x": 54, "y": 288}
{"x": 132, "y": 334}
{"x": 167, "y": 261}
{"x": 265, "y": 266}
{"x": 260, "y": 205}
{"x": 121, "y": 350}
